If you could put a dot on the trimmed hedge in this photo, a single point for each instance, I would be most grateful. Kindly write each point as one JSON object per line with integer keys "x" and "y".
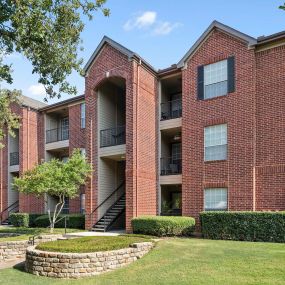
{"x": 163, "y": 225}
{"x": 245, "y": 226}
{"x": 74, "y": 221}
{"x": 19, "y": 219}
{"x": 32, "y": 218}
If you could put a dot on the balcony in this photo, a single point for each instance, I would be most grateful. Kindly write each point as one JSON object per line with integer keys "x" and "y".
{"x": 56, "y": 135}
{"x": 113, "y": 136}
{"x": 171, "y": 110}
{"x": 14, "y": 158}
{"x": 170, "y": 166}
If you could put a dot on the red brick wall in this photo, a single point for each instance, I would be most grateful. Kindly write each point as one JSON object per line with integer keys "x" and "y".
{"x": 4, "y": 177}
{"x": 76, "y": 140}
{"x": 29, "y": 157}
{"x": 270, "y": 180}
{"x": 140, "y": 180}
{"x": 235, "y": 109}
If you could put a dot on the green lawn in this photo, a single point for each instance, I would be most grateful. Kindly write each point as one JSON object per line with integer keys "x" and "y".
{"x": 91, "y": 244}
{"x": 186, "y": 261}
{"x": 25, "y": 233}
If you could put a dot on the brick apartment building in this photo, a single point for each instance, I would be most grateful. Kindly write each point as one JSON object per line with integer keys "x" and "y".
{"x": 207, "y": 133}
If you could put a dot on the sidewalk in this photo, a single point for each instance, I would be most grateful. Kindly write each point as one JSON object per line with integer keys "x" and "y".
{"x": 11, "y": 263}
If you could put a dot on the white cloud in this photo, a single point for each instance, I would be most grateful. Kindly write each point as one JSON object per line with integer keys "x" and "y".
{"x": 142, "y": 20}
{"x": 37, "y": 90}
{"x": 164, "y": 28}
{"x": 148, "y": 21}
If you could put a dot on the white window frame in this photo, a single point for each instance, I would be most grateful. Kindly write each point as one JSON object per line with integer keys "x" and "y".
{"x": 217, "y": 193}
{"x": 216, "y": 78}
{"x": 217, "y": 140}
{"x": 82, "y": 115}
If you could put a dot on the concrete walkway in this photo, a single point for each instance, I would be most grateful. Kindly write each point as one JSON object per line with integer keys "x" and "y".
{"x": 95, "y": 234}
{"x": 11, "y": 263}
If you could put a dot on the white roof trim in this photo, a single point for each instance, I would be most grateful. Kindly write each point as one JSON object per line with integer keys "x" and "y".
{"x": 215, "y": 24}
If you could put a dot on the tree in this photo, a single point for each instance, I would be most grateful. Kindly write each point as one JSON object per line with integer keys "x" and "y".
{"x": 8, "y": 119}
{"x": 282, "y": 7}
{"x": 55, "y": 178}
{"x": 47, "y": 33}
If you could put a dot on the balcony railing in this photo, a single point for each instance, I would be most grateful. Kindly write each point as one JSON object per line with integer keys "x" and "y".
{"x": 14, "y": 158}
{"x": 113, "y": 136}
{"x": 171, "y": 109}
{"x": 55, "y": 135}
{"x": 170, "y": 166}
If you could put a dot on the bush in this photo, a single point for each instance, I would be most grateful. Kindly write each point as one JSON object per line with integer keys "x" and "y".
{"x": 19, "y": 219}
{"x": 32, "y": 218}
{"x": 74, "y": 221}
{"x": 163, "y": 225}
{"x": 247, "y": 226}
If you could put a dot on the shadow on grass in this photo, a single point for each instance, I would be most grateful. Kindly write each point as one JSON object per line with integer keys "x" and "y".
{"x": 20, "y": 266}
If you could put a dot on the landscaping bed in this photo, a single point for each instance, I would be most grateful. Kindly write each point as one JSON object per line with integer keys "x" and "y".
{"x": 83, "y": 257}
{"x": 92, "y": 244}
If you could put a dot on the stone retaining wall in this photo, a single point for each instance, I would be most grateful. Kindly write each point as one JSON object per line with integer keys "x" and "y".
{"x": 17, "y": 249}
{"x": 76, "y": 265}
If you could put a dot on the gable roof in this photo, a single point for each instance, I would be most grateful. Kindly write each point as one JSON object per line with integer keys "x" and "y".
{"x": 215, "y": 24}
{"x": 106, "y": 40}
{"x": 32, "y": 103}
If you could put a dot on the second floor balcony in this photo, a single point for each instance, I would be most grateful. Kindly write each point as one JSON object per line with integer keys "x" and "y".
{"x": 113, "y": 136}
{"x": 170, "y": 166}
{"x": 171, "y": 109}
{"x": 58, "y": 134}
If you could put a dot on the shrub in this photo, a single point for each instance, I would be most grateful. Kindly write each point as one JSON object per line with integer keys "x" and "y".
{"x": 74, "y": 221}
{"x": 19, "y": 219}
{"x": 163, "y": 225}
{"x": 247, "y": 226}
{"x": 32, "y": 218}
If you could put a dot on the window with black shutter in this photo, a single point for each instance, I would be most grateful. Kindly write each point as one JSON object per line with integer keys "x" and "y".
{"x": 216, "y": 79}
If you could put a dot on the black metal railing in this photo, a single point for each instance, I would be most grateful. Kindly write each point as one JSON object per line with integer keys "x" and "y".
{"x": 55, "y": 135}
{"x": 14, "y": 158}
{"x": 171, "y": 109}
{"x": 13, "y": 208}
{"x": 108, "y": 202}
{"x": 113, "y": 136}
{"x": 170, "y": 166}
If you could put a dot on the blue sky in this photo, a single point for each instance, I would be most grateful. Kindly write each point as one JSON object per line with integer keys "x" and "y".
{"x": 160, "y": 31}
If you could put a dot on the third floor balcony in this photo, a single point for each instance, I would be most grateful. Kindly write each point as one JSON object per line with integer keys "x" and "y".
{"x": 57, "y": 134}
{"x": 113, "y": 136}
{"x": 171, "y": 109}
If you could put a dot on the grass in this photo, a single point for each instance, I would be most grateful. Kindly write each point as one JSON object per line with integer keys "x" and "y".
{"x": 25, "y": 233}
{"x": 185, "y": 261}
{"x": 91, "y": 244}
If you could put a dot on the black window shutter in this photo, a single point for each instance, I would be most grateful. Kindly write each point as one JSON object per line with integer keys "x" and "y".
{"x": 231, "y": 74}
{"x": 200, "y": 82}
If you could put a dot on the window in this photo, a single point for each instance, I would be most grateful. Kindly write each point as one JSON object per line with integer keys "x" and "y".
{"x": 64, "y": 129}
{"x": 215, "y": 142}
{"x": 83, "y": 152}
{"x": 215, "y": 79}
{"x": 82, "y": 203}
{"x": 215, "y": 199}
{"x": 82, "y": 115}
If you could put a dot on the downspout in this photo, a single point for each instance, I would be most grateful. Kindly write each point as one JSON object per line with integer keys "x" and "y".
{"x": 137, "y": 99}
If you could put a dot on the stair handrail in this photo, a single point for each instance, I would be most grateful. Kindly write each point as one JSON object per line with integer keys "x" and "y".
{"x": 111, "y": 208}
{"x": 13, "y": 206}
{"x": 105, "y": 200}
